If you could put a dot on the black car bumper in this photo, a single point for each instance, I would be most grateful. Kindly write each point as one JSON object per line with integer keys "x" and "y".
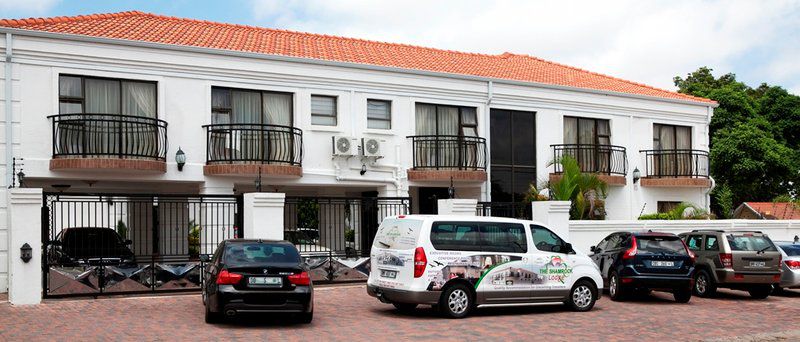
{"x": 632, "y": 279}
{"x": 228, "y": 299}
{"x": 400, "y": 296}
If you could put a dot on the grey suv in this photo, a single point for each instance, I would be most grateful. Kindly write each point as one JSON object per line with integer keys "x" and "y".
{"x": 739, "y": 260}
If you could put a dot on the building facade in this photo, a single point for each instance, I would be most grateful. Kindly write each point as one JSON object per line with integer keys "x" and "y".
{"x": 101, "y": 104}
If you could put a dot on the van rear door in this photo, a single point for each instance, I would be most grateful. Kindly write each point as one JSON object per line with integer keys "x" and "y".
{"x": 392, "y": 254}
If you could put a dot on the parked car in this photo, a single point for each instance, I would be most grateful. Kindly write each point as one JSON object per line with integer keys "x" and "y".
{"x": 458, "y": 263}
{"x": 89, "y": 246}
{"x": 641, "y": 262}
{"x": 790, "y": 252}
{"x": 746, "y": 261}
{"x": 256, "y": 276}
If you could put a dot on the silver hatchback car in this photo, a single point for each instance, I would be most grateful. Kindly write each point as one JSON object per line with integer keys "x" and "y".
{"x": 790, "y": 251}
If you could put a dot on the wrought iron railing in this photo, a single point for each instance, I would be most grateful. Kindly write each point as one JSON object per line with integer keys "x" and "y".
{"x": 108, "y": 135}
{"x": 676, "y": 163}
{"x": 519, "y": 210}
{"x": 254, "y": 143}
{"x": 448, "y": 152}
{"x": 593, "y": 158}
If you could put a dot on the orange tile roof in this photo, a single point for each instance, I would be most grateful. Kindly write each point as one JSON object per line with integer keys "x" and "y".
{"x": 139, "y": 26}
{"x": 776, "y": 210}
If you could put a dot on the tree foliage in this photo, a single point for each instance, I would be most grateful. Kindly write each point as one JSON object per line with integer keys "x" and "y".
{"x": 585, "y": 190}
{"x": 754, "y": 138}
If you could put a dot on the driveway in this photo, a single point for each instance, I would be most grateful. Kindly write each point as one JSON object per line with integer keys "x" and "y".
{"x": 347, "y": 313}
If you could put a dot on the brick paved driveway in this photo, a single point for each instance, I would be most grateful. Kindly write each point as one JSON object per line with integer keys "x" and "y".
{"x": 347, "y": 313}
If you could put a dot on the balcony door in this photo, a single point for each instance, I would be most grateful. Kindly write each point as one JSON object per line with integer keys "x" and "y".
{"x": 513, "y": 160}
{"x": 446, "y": 136}
{"x": 673, "y": 155}
{"x": 587, "y": 141}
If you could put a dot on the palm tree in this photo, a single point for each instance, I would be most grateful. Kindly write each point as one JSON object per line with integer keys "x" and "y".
{"x": 584, "y": 190}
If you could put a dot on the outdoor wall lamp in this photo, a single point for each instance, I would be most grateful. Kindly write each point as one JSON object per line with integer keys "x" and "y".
{"x": 363, "y": 169}
{"x": 26, "y": 252}
{"x": 180, "y": 158}
{"x": 21, "y": 178}
{"x": 451, "y": 191}
{"x": 636, "y": 175}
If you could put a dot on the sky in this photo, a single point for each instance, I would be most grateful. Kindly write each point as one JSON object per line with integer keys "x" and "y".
{"x": 643, "y": 41}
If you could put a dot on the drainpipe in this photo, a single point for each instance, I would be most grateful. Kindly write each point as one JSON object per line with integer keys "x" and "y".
{"x": 9, "y": 108}
{"x": 487, "y": 112}
{"x": 709, "y": 112}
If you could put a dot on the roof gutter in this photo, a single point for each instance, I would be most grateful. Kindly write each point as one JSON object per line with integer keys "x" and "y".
{"x": 282, "y": 58}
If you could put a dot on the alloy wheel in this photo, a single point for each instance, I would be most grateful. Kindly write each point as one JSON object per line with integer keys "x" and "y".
{"x": 702, "y": 284}
{"x": 582, "y": 296}
{"x": 612, "y": 286}
{"x": 458, "y": 301}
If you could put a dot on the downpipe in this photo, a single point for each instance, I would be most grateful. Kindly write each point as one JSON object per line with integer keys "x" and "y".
{"x": 9, "y": 109}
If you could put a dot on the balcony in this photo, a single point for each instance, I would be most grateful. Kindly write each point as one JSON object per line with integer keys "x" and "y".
{"x": 608, "y": 162}
{"x": 676, "y": 168}
{"x": 108, "y": 141}
{"x": 250, "y": 149}
{"x": 445, "y": 157}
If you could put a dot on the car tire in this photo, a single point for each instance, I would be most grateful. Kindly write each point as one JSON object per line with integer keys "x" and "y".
{"x": 212, "y": 317}
{"x": 777, "y": 289}
{"x": 682, "y": 296}
{"x": 760, "y": 291}
{"x": 306, "y": 317}
{"x": 704, "y": 285}
{"x": 405, "y": 307}
{"x": 582, "y": 296}
{"x": 456, "y": 301}
{"x": 615, "y": 290}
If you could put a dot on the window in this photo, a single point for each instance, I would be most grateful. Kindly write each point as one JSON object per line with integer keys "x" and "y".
{"x": 323, "y": 110}
{"x": 749, "y": 242}
{"x": 257, "y": 254}
{"x": 671, "y": 137}
{"x": 694, "y": 242}
{"x": 243, "y": 106}
{"x": 513, "y": 154}
{"x": 674, "y": 156}
{"x": 711, "y": 243}
{"x": 586, "y": 131}
{"x": 379, "y": 114}
{"x": 547, "y": 241}
{"x": 667, "y": 206}
{"x": 615, "y": 241}
{"x": 660, "y": 245}
{"x": 503, "y": 237}
{"x": 455, "y": 236}
{"x": 95, "y": 95}
{"x": 434, "y": 119}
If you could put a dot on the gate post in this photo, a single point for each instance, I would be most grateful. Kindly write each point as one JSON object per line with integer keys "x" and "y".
{"x": 263, "y": 215}
{"x": 460, "y": 207}
{"x": 554, "y": 214}
{"x": 25, "y": 226}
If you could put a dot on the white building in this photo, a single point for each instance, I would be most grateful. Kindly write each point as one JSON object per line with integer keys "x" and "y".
{"x": 102, "y": 103}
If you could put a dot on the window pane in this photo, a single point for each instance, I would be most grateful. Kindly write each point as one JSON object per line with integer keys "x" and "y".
{"x": 660, "y": 245}
{"x": 69, "y": 108}
{"x": 603, "y": 128}
{"x": 245, "y": 107}
{"x": 683, "y": 137}
{"x": 379, "y": 114}
{"x": 139, "y": 99}
{"x": 712, "y": 244}
{"x": 425, "y": 119}
{"x": 501, "y": 139}
{"x": 545, "y": 240}
{"x": 220, "y": 98}
{"x": 70, "y": 86}
{"x": 523, "y": 137}
{"x": 455, "y": 236}
{"x": 523, "y": 178}
{"x": 570, "y": 130}
{"x": 501, "y": 184}
{"x": 503, "y": 237}
{"x": 586, "y": 131}
{"x": 323, "y": 120}
{"x": 247, "y": 254}
{"x": 102, "y": 96}
{"x": 278, "y": 109}
{"x": 447, "y": 120}
{"x": 323, "y": 110}
{"x": 469, "y": 116}
{"x": 379, "y": 124}
{"x": 220, "y": 118}
{"x": 694, "y": 242}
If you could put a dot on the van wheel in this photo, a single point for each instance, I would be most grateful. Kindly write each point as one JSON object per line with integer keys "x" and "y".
{"x": 404, "y": 307}
{"x": 582, "y": 296}
{"x": 760, "y": 291}
{"x": 456, "y": 301}
{"x": 704, "y": 285}
{"x": 615, "y": 290}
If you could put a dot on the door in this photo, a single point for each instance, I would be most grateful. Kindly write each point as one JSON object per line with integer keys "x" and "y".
{"x": 513, "y": 158}
{"x": 505, "y": 275}
{"x": 428, "y": 199}
{"x": 552, "y": 264}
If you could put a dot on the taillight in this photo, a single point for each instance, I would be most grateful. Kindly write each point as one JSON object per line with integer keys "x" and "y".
{"x": 793, "y": 264}
{"x": 228, "y": 278}
{"x": 691, "y": 254}
{"x": 726, "y": 259}
{"x": 301, "y": 278}
{"x": 420, "y": 261}
{"x": 631, "y": 252}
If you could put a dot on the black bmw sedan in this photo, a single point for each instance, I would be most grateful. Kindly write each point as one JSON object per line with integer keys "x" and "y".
{"x": 256, "y": 276}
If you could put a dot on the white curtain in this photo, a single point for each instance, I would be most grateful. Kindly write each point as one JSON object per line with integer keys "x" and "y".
{"x": 570, "y": 130}
{"x": 426, "y": 119}
{"x": 246, "y": 109}
{"x": 278, "y": 111}
{"x": 70, "y": 86}
{"x": 102, "y": 96}
{"x": 139, "y": 99}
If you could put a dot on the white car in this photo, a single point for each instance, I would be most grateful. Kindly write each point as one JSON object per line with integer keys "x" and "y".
{"x": 458, "y": 263}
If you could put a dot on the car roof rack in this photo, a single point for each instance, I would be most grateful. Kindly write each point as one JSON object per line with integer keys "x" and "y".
{"x": 707, "y": 230}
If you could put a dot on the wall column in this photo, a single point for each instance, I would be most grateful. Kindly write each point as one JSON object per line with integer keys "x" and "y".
{"x": 25, "y": 226}
{"x": 554, "y": 215}
{"x": 460, "y": 207}
{"x": 263, "y": 215}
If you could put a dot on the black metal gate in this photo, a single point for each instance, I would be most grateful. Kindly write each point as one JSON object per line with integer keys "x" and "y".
{"x": 334, "y": 234}
{"x": 96, "y": 244}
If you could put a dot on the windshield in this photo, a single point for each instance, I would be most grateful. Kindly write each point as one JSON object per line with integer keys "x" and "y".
{"x": 397, "y": 233}
{"x": 660, "y": 245}
{"x": 749, "y": 242}
{"x": 791, "y": 249}
{"x": 259, "y": 253}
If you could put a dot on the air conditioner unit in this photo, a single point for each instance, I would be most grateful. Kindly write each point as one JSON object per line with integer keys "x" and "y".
{"x": 371, "y": 147}
{"x": 344, "y": 146}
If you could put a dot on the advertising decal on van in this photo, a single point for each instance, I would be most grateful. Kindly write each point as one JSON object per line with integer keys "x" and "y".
{"x": 498, "y": 272}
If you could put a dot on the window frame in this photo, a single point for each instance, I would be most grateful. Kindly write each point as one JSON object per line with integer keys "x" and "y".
{"x": 82, "y": 99}
{"x": 389, "y": 120}
{"x": 563, "y": 244}
{"x": 229, "y": 110}
{"x": 335, "y": 115}
{"x": 461, "y": 124}
{"x": 674, "y": 128}
{"x": 596, "y": 135}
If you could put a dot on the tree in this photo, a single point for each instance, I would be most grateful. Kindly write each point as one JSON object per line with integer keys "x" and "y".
{"x": 585, "y": 190}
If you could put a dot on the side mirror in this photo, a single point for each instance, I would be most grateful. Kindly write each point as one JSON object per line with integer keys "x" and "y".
{"x": 569, "y": 249}
{"x": 593, "y": 249}
{"x": 205, "y": 257}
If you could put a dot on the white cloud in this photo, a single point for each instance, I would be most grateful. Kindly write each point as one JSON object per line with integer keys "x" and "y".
{"x": 648, "y": 42}
{"x": 36, "y": 6}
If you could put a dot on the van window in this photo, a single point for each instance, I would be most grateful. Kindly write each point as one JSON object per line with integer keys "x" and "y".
{"x": 397, "y": 233}
{"x": 547, "y": 241}
{"x": 455, "y": 236}
{"x": 503, "y": 237}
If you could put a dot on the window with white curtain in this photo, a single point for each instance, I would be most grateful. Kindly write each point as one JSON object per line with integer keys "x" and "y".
{"x": 323, "y": 110}
{"x": 379, "y": 114}
{"x": 244, "y": 106}
{"x": 444, "y": 136}
{"x": 95, "y": 95}
{"x": 674, "y": 144}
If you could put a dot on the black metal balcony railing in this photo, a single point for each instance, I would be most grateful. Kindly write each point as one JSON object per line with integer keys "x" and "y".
{"x": 593, "y": 158}
{"x": 448, "y": 152}
{"x": 254, "y": 143}
{"x": 676, "y": 163}
{"x": 109, "y": 135}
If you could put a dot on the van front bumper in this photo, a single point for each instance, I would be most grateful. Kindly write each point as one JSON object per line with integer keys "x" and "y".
{"x": 402, "y": 296}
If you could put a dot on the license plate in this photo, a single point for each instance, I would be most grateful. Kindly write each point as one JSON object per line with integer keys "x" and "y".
{"x": 662, "y": 263}
{"x": 758, "y": 264}
{"x": 265, "y": 281}
{"x": 388, "y": 274}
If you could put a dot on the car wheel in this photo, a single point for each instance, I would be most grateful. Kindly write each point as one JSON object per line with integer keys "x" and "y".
{"x": 456, "y": 301}
{"x": 582, "y": 296}
{"x": 682, "y": 296}
{"x": 760, "y": 291}
{"x": 306, "y": 317}
{"x": 615, "y": 290}
{"x": 405, "y": 307}
{"x": 212, "y": 317}
{"x": 704, "y": 285}
{"x": 777, "y": 289}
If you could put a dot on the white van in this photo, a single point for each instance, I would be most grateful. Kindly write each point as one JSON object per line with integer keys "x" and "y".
{"x": 458, "y": 263}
